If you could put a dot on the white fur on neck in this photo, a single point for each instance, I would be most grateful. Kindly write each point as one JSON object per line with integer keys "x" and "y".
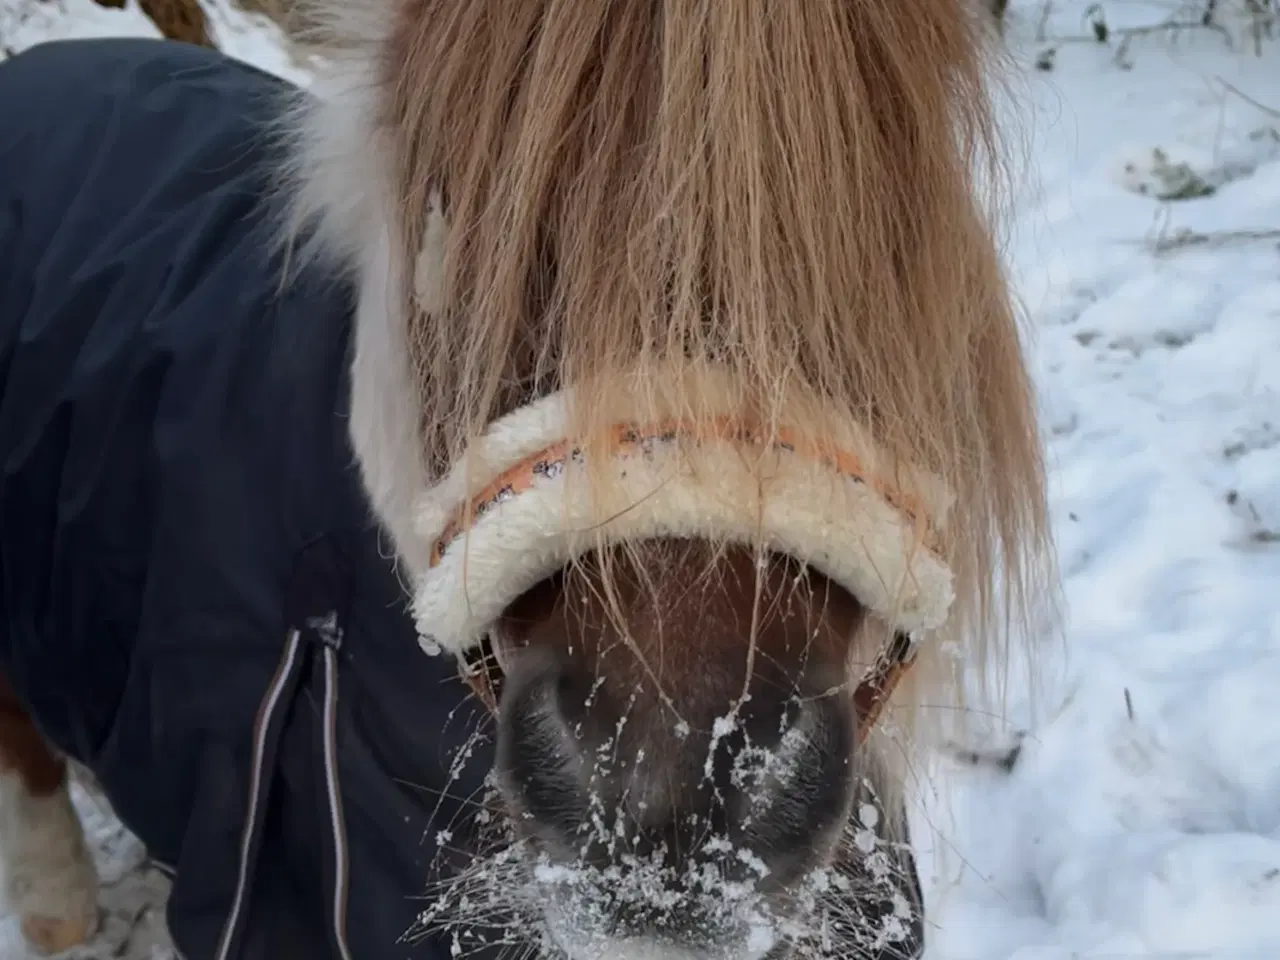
{"x": 342, "y": 186}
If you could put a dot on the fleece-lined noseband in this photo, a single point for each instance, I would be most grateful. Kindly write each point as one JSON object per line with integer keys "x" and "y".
{"x": 633, "y": 439}
{"x": 674, "y": 477}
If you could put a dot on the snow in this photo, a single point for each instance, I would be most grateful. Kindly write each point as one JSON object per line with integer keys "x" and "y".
{"x": 1141, "y": 814}
{"x": 248, "y": 36}
{"x": 1142, "y": 817}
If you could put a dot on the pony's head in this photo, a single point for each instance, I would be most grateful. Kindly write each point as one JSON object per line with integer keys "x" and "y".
{"x": 688, "y": 385}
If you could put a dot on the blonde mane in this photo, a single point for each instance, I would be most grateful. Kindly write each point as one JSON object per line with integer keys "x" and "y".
{"x": 540, "y": 193}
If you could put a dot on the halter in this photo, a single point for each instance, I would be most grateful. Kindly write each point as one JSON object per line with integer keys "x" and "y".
{"x": 631, "y": 442}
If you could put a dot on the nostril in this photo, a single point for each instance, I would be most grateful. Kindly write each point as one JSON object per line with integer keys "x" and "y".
{"x": 808, "y": 798}
{"x": 539, "y": 761}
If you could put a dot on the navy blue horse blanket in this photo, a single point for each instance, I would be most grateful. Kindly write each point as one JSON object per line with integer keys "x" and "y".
{"x": 195, "y": 601}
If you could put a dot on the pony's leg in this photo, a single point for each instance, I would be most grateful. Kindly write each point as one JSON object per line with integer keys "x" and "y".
{"x": 50, "y": 880}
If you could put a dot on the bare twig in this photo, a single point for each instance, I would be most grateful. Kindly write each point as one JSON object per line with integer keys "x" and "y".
{"x": 1003, "y": 760}
{"x": 1127, "y": 34}
{"x": 1231, "y": 88}
{"x": 1042, "y": 26}
{"x": 1101, "y": 33}
{"x": 1186, "y": 237}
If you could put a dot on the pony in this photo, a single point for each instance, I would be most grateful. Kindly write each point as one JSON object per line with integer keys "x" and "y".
{"x": 689, "y": 387}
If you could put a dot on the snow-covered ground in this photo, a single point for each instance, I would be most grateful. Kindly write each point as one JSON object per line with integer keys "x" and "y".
{"x": 249, "y": 36}
{"x": 1142, "y": 816}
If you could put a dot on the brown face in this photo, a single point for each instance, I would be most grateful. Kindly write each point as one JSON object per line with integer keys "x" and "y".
{"x": 678, "y": 791}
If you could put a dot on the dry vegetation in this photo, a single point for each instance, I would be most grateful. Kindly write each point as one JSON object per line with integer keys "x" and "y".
{"x": 289, "y": 15}
{"x": 1241, "y": 23}
{"x": 185, "y": 20}
{"x": 175, "y": 19}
